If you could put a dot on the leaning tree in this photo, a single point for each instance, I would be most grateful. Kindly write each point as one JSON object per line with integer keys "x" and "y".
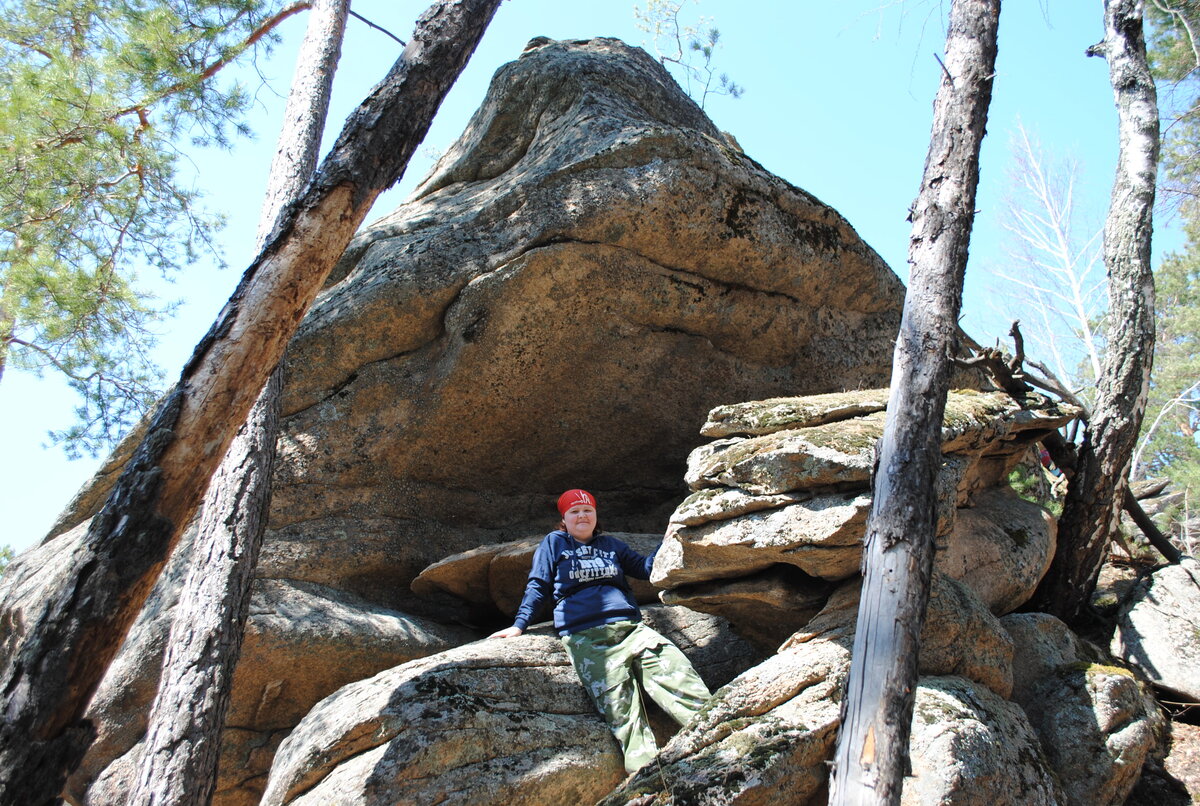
{"x": 51, "y": 666}
{"x": 870, "y": 760}
{"x": 178, "y": 764}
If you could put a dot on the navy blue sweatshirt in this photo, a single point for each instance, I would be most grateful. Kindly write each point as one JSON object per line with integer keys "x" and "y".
{"x": 585, "y": 580}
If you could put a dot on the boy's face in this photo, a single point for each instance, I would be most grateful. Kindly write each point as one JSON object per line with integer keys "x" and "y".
{"x": 580, "y": 522}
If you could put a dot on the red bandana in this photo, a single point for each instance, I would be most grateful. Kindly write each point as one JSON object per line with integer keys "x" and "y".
{"x": 573, "y": 498}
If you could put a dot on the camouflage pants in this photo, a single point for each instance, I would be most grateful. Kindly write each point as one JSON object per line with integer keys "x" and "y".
{"x": 616, "y": 663}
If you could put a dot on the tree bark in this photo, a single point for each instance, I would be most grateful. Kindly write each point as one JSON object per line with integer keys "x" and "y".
{"x": 872, "y": 752}
{"x": 183, "y": 739}
{"x": 178, "y": 765}
{"x": 1097, "y": 490}
{"x": 307, "y": 109}
{"x": 53, "y": 666}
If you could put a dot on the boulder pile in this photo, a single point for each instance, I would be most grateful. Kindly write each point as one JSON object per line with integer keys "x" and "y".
{"x": 779, "y": 505}
{"x": 1011, "y": 709}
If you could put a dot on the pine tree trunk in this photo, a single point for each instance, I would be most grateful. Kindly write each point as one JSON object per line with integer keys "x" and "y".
{"x": 1096, "y": 492}
{"x": 53, "y": 664}
{"x": 307, "y": 109}
{"x": 872, "y": 752}
{"x": 179, "y": 756}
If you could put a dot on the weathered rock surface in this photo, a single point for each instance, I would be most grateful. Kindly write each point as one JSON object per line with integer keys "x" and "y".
{"x": 1042, "y": 644}
{"x": 302, "y": 642}
{"x": 494, "y": 722}
{"x": 28, "y": 576}
{"x": 1000, "y": 548}
{"x": 589, "y": 216}
{"x": 1097, "y": 729}
{"x": 1159, "y": 629}
{"x": 1096, "y": 723}
{"x": 818, "y": 456}
{"x": 821, "y": 536}
{"x": 779, "y": 414}
{"x": 772, "y": 729}
{"x": 1175, "y": 779}
{"x": 795, "y": 448}
{"x": 796, "y": 493}
{"x": 1078, "y": 732}
{"x": 970, "y": 747}
{"x": 723, "y": 503}
{"x": 960, "y": 636}
{"x": 790, "y": 595}
{"x": 1117, "y": 580}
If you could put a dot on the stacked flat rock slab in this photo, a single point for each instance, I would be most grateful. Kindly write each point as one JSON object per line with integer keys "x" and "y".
{"x": 787, "y": 484}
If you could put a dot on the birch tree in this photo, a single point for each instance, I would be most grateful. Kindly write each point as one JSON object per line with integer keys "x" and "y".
{"x": 1054, "y": 273}
{"x": 1096, "y": 491}
{"x": 1169, "y": 443}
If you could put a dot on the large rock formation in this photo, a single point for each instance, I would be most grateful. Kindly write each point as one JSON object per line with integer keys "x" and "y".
{"x": 302, "y": 642}
{"x": 587, "y": 272}
{"x": 788, "y": 487}
{"x": 1016, "y": 713}
{"x": 495, "y": 722}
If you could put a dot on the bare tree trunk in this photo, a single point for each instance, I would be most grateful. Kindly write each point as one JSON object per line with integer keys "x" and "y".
{"x": 1097, "y": 490}
{"x": 54, "y": 664}
{"x": 872, "y": 752}
{"x": 181, "y": 750}
{"x": 307, "y": 109}
{"x": 183, "y": 739}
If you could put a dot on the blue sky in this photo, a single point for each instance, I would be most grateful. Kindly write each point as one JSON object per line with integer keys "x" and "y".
{"x": 838, "y": 100}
